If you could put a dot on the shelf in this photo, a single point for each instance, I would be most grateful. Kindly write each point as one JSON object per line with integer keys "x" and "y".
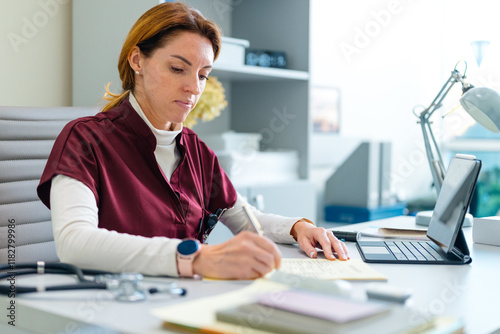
{"x": 255, "y": 73}
{"x": 471, "y": 145}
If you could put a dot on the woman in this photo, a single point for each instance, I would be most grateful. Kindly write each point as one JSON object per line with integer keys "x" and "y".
{"x": 126, "y": 186}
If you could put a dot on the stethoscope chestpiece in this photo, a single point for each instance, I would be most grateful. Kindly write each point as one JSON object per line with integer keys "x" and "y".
{"x": 127, "y": 287}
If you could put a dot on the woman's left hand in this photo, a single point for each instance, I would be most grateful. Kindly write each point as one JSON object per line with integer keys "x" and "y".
{"x": 308, "y": 236}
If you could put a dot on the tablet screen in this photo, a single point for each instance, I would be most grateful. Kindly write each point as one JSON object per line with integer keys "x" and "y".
{"x": 453, "y": 201}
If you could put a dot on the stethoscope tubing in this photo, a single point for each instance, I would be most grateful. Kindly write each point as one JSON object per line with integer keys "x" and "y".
{"x": 8, "y": 271}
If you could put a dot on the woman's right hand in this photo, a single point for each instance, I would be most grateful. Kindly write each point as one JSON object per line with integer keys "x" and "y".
{"x": 245, "y": 256}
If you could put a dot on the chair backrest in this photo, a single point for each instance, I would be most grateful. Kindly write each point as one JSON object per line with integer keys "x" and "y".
{"x": 27, "y": 135}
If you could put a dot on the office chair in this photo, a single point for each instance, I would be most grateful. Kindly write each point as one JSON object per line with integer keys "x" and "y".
{"x": 27, "y": 135}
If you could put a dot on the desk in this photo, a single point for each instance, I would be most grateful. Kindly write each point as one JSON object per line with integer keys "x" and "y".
{"x": 469, "y": 291}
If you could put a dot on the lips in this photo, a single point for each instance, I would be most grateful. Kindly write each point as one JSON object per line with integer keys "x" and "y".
{"x": 185, "y": 103}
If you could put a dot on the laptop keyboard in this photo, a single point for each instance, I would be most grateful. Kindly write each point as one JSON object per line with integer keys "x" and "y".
{"x": 414, "y": 251}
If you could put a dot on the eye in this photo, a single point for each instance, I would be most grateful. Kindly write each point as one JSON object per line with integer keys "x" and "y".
{"x": 203, "y": 77}
{"x": 176, "y": 69}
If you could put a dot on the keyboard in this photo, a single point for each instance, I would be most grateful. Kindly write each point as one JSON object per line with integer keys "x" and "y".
{"x": 414, "y": 251}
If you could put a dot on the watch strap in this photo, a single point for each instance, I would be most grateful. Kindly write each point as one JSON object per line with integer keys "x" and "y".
{"x": 185, "y": 265}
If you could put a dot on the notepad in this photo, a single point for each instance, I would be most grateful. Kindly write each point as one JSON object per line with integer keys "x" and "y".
{"x": 351, "y": 270}
{"x": 238, "y": 312}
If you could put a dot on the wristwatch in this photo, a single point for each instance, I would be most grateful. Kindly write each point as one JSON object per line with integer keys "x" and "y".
{"x": 187, "y": 251}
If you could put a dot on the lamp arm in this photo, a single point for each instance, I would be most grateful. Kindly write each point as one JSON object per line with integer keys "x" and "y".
{"x": 436, "y": 103}
{"x": 436, "y": 165}
{"x": 440, "y": 158}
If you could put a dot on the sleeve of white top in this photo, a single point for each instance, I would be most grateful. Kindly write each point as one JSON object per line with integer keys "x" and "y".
{"x": 81, "y": 242}
{"x": 275, "y": 227}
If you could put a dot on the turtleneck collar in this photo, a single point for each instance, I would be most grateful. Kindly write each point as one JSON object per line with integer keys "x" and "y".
{"x": 163, "y": 137}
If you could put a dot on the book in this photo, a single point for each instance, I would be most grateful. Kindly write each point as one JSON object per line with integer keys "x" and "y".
{"x": 321, "y": 306}
{"x": 240, "y": 312}
{"x": 260, "y": 317}
{"x": 395, "y": 233}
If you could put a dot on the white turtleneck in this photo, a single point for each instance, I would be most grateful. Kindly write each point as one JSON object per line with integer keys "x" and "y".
{"x": 166, "y": 152}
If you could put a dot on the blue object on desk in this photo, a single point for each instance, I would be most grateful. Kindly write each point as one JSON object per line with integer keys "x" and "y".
{"x": 351, "y": 215}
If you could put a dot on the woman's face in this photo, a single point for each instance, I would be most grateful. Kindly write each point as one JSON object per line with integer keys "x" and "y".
{"x": 172, "y": 79}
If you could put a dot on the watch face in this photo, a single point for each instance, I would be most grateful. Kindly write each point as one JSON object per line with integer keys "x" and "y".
{"x": 188, "y": 247}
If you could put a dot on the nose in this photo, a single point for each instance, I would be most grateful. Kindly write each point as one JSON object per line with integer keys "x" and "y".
{"x": 193, "y": 85}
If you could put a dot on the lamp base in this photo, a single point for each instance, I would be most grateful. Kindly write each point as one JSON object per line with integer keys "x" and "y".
{"x": 423, "y": 218}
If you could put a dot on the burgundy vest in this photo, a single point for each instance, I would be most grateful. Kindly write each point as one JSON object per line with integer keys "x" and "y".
{"x": 112, "y": 153}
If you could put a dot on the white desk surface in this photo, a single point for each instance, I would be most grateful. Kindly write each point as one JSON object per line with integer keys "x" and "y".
{"x": 468, "y": 291}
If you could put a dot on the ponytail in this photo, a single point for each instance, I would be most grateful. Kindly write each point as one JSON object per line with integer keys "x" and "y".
{"x": 114, "y": 99}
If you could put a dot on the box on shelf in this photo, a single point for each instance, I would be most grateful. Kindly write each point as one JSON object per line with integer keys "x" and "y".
{"x": 231, "y": 141}
{"x": 260, "y": 167}
{"x": 351, "y": 215}
{"x": 232, "y": 51}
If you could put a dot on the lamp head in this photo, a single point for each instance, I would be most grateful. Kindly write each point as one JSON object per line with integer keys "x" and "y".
{"x": 483, "y": 104}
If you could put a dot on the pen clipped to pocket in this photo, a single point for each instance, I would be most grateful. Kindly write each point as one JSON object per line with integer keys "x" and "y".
{"x": 208, "y": 222}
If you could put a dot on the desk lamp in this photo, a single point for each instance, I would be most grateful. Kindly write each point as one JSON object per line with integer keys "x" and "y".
{"x": 482, "y": 103}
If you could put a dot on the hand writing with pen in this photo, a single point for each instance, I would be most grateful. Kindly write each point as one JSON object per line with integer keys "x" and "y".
{"x": 251, "y": 255}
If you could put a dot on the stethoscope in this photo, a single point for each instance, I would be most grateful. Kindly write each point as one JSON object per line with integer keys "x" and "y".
{"x": 126, "y": 287}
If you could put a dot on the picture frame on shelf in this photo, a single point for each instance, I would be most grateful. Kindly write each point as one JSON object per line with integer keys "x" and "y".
{"x": 325, "y": 109}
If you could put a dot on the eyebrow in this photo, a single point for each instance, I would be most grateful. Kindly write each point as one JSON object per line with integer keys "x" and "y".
{"x": 188, "y": 62}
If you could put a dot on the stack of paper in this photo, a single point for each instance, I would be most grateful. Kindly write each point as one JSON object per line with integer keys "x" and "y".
{"x": 260, "y": 308}
{"x": 298, "y": 312}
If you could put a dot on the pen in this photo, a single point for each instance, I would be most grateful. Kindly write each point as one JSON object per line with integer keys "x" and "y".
{"x": 172, "y": 291}
{"x": 346, "y": 236}
{"x": 343, "y": 236}
{"x": 253, "y": 220}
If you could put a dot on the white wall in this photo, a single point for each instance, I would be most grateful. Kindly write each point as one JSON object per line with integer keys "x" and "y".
{"x": 35, "y": 52}
{"x": 388, "y": 57}
{"x": 477, "y": 22}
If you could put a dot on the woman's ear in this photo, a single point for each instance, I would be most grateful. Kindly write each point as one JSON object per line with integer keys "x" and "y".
{"x": 134, "y": 59}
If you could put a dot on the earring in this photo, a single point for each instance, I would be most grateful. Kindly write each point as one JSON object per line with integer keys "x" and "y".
{"x": 137, "y": 72}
